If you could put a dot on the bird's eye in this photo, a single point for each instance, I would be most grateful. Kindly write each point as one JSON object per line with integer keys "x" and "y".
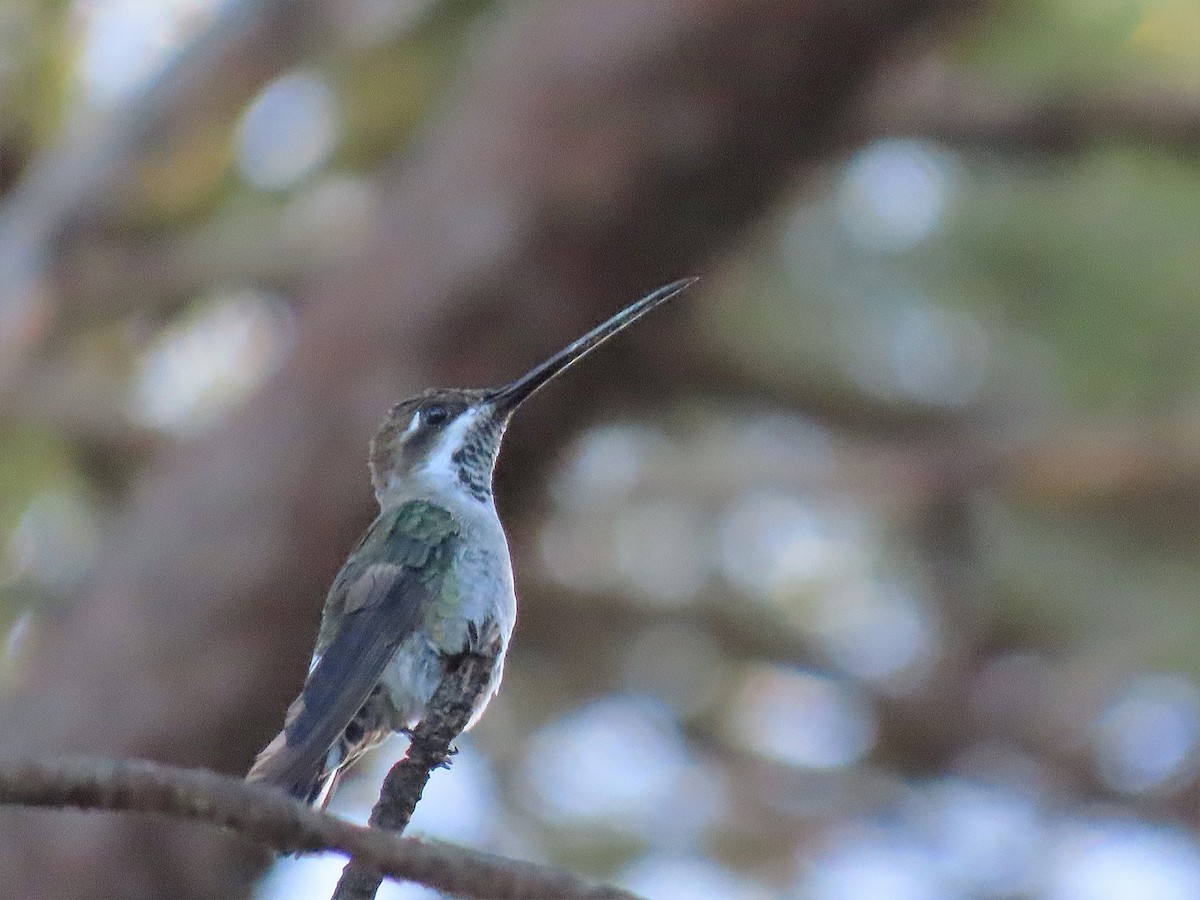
{"x": 435, "y": 415}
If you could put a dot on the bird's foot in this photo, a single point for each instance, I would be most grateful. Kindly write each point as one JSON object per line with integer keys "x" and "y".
{"x": 451, "y": 752}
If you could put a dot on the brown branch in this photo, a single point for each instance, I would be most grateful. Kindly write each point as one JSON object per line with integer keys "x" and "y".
{"x": 448, "y": 714}
{"x": 269, "y": 816}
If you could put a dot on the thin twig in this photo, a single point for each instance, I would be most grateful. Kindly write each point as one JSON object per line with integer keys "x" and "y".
{"x": 271, "y": 817}
{"x": 448, "y": 714}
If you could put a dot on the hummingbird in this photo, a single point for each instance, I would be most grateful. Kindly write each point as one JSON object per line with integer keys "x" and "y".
{"x": 429, "y": 580}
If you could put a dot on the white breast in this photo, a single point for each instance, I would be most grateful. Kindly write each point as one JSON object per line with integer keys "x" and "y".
{"x": 483, "y": 566}
{"x": 486, "y": 602}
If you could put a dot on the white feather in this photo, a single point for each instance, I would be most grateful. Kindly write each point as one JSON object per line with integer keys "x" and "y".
{"x": 440, "y": 470}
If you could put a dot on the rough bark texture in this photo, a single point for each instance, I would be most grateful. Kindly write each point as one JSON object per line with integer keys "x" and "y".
{"x": 595, "y": 151}
{"x": 269, "y": 816}
{"x": 448, "y": 714}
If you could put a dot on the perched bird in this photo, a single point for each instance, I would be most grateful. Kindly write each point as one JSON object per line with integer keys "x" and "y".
{"x": 430, "y": 579}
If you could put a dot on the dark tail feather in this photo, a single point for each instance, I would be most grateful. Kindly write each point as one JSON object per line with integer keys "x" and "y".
{"x": 281, "y": 766}
{"x": 310, "y": 774}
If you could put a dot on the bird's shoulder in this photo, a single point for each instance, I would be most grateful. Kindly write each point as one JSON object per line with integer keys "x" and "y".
{"x": 412, "y": 540}
{"x": 406, "y": 534}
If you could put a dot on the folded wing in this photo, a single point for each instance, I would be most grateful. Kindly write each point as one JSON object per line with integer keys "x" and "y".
{"x": 377, "y": 600}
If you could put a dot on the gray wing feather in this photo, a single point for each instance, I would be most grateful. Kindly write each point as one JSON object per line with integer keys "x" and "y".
{"x": 376, "y": 601}
{"x": 348, "y": 670}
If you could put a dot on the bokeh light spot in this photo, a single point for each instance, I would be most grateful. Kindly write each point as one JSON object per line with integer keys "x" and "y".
{"x": 1123, "y": 860}
{"x": 1149, "y": 734}
{"x": 875, "y": 630}
{"x": 987, "y": 840}
{"x": 773, "y": 544}
{"x": 621, "y": 762}
{"x": 288, "y": 131}
{"x": 894, "y": 193}
{"x": 802, "y": 718}
{"x": 872, "y": 864}
{"x": 687, "y": 878}
{"x": 55, "y": 541}
{"x": 125, "y": 43}
{"x": 605, "y": 465}
{"x": 216, "y": 356}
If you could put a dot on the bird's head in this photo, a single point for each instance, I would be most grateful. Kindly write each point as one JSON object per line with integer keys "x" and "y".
{"x": 449, "y": 438}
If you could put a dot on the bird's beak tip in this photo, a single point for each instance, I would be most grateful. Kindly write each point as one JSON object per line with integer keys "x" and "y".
{"x": 506, "y": 399}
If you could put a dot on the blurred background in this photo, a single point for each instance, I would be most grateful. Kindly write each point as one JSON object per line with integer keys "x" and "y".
{"x": 866, "y": 570}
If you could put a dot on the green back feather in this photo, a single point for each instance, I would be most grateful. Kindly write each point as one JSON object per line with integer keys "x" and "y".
{"x": 417, "y": 535}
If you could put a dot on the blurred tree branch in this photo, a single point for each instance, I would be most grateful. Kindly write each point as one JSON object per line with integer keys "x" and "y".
{"x": 96, "y": 280}
{"x": 91, "y": 168}
{"x": 269, "y": 816}
{"x": 594, "y": 150}
{"x": 957, "y": 110}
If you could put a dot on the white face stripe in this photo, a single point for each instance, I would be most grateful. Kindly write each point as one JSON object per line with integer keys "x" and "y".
{"x": 440, "y": 468}
{"x": 412, "y": 425}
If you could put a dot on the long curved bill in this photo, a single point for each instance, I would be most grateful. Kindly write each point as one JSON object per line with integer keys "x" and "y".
{"x": 509, "y": 397}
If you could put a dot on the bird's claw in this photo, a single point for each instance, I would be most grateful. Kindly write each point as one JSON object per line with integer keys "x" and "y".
{"x": 446, "y": 760}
